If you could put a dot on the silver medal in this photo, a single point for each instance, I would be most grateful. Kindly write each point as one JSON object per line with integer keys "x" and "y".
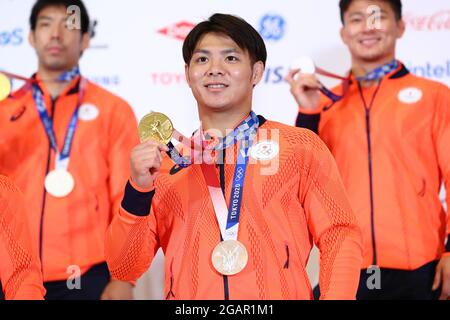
{"x": 59, "y": 183}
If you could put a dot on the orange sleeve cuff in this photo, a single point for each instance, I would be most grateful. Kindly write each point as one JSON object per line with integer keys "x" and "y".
{"x": 137, "y": 188}
{"x": 310, "y": 111}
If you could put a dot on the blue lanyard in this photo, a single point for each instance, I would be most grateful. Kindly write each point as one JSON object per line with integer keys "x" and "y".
{"x": 371, "y": 76}
{"x": 249, "y": 124}
{"x": 379, "y": 72}
{"x": 228, "y": 218}
{"x": 48, "y": 123}
{"x": 330, "y": 94}
{"x": 234, "y": 208}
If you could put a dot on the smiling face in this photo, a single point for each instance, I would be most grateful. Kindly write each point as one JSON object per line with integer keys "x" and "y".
{"x": 57, "y": 47}
{"x": 221, "y": 75}
{"x": 366, "y": 43}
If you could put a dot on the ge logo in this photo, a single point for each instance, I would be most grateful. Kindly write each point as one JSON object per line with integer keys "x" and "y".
{"x": 272, "y": 27}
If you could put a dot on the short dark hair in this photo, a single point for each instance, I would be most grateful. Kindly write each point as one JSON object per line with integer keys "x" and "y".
{"x": 42, "y": 4}
{"x": 396, "y": 5}
{"x": 240, "y": 31}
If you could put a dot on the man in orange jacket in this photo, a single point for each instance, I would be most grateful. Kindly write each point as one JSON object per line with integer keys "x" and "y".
{"x": 20, "y": 270}
{"x": 282, "y": 188}
{"x": 389, "y": 132}
{"x": 64, "y": 141}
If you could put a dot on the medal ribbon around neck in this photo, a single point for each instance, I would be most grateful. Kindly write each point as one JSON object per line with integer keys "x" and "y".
{"x": 62, "y": 157}
{"x": 306, "y": 64}
{"x": 228, "y": 219}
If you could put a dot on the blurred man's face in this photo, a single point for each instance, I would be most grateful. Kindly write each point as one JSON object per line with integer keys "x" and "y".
{"x": 57, "y": 47}
{"x": 221, "y": 75}
{"x": 371, "y": 37}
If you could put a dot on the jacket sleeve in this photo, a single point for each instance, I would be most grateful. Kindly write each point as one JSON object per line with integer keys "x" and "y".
{"x": 132, "y": 237}
{"x": 331, "y": 221}
{"x": 20, "y": 268}
{"x": 310, "y": 119}
{"x": 122, "y": 137}
{"x": 441, "y": 137}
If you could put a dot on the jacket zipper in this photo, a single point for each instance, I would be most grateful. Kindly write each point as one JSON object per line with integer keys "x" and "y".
{"x": 372, "y": 217}
{"x": 44, "y": 197}
{"x": 170, "y": 293}
{"x": 369, "y": 149}
{"x": 222, "y": 186}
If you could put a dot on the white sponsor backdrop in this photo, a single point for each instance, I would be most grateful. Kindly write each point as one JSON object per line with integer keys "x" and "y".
{"x": 136, "y": 53}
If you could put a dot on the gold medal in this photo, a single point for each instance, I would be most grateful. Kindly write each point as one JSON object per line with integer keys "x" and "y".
{"x": 157, "y": 127}
{"x": 5, "y": 87}
{"x": 229, "y": 257}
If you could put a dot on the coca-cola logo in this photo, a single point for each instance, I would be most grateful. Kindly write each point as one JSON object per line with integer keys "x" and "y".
{"x": 437, "y": 21}
{"x": 178, "y": 31}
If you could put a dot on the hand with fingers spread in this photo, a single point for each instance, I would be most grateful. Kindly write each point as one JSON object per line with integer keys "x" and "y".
{"x": 305, "y": 88}
{"x": 146, "y": 161}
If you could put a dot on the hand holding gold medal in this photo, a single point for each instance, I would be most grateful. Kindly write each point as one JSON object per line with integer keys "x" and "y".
{"x": 155, "y": 133}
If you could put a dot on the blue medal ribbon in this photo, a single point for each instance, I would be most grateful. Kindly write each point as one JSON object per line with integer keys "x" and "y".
{"x": 379, "y": 72}
{"x": 228, "y": 218}
{"x": 234, "y": 208}
{"x": 371, "y": 76}
{"x": 47, "y": 122}
{"x": 238, "y": 134}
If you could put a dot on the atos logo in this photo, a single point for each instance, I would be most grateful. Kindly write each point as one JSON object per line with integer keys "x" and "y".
{"x": 177, "y": 31}
{"x": 14, "y": 37}
{"x": 272, "y": 27}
